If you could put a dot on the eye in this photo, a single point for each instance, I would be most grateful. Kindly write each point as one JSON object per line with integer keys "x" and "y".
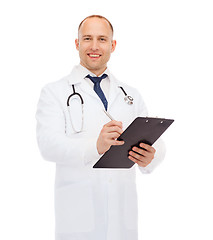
{"x": 102, "y": 39}
{"x": 87, "y": 38}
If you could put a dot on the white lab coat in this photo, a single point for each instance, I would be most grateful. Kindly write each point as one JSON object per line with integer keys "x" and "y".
{"x": 90, "y": 204}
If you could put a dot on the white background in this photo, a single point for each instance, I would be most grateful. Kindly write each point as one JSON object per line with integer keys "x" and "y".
{"x": 164, "y": 48}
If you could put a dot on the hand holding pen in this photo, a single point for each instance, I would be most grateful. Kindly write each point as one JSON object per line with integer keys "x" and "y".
{"x": 109, "y": 134}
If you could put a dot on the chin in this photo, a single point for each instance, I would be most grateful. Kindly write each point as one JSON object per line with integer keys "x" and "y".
{"x": 94, "y": 67}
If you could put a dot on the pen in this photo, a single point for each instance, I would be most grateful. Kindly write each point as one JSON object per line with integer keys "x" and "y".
{"x": 108, "y": 114}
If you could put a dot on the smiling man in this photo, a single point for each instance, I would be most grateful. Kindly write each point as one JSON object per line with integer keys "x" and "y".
{"x": 73, "y": 131}
{"x": 95, "y": 44}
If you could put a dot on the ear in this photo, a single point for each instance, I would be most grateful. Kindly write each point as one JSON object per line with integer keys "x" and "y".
{"x": 113, "y": 45}
{"x": 77, "y": 44}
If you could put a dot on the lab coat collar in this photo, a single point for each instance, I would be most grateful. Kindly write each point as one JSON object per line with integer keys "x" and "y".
{"x": 78, "y": 74}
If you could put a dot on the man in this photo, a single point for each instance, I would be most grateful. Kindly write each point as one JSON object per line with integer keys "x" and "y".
{"x": 92, "y": 204}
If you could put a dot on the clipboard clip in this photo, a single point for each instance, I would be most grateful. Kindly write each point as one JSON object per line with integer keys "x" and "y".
{"x": 161, "y": 119}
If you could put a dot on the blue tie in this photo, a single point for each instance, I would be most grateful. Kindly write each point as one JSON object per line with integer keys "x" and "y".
{"x": 97, "y": 88}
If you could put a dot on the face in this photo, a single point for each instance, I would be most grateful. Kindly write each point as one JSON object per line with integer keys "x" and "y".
{"x": 95, "y": 44}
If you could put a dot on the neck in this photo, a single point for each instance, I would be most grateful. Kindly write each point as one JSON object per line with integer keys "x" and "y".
{"x": 97, "y": 72}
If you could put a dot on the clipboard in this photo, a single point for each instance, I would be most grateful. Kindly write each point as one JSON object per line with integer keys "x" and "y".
{"x": 142, "y": 129}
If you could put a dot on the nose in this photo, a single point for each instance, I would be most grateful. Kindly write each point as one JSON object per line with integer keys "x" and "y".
{"x": 94, "y": 45}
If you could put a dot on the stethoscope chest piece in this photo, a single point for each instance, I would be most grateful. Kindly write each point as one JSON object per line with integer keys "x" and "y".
{"x": 128, "y": 100}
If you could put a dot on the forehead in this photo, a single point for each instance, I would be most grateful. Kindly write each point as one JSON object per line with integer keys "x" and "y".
{"x": 95, "y": 26}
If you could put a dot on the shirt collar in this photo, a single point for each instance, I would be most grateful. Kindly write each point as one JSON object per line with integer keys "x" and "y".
{"x": 79, "y": 73}
{"x": 85, "y": 71}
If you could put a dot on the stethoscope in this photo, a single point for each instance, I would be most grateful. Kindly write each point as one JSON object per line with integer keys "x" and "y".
{"x": 128, "y": 99}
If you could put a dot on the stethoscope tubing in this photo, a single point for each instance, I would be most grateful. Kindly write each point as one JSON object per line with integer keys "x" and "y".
{"x": 73, "y": 94}
{"x": 127, "y": 99}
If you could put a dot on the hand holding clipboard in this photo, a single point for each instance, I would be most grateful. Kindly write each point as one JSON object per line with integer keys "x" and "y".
{"x": 142, "y": 129}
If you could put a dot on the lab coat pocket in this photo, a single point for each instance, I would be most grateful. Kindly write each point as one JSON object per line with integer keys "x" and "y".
{"x": 130, "y": 207}
{"x": 74, "y": 208}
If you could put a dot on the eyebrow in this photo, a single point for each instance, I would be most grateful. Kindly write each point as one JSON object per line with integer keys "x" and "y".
{"x": 98, "y": 36}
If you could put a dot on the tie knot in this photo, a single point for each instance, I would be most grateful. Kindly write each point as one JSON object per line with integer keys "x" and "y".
{"x": 96, "y": 79}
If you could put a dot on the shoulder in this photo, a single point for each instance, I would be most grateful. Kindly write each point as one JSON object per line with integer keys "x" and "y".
{"x": 56, "y": 91}
{"x": 65, "y": 82}
{"x": 56, "y": 87}
{"x": 127, "y": 88}
{"x": 139, "y": 104}
{"x": 57, "y": 84}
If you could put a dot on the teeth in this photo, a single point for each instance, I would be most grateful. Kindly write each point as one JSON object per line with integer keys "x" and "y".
{"x": 93, "y": 55}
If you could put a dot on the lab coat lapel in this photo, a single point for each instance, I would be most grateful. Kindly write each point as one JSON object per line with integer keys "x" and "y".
{"x": 85, "y": 87}
{"x": 114, "y": 90}
{"x": 77, "y": 77}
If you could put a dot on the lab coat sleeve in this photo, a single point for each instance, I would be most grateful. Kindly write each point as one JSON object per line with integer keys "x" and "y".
{"x": 54, "y": 144}
{"x": 159, "y": 145}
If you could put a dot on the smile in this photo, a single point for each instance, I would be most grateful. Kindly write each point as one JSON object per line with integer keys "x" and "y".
{"x": 93, "y": 55}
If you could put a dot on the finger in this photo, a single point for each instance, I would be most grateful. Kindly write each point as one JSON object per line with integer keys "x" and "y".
{"x": 140, "y": 151}
{"x": 147, "y": 147}
{"x": 113, "y": 135}
{"x": 141, "y": 161}
{"x": 117, "y": 143}
{"x": 141, "y": 164}
{"x": 114, "y": 123}
{"x": 114, "y": 129}
{"x": 147, "y": 159}
{"x": 110, "y": 130}
{"x": 137, "y": 156}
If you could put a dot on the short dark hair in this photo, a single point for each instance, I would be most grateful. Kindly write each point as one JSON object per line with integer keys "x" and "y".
{"x": 98, "y": 16}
